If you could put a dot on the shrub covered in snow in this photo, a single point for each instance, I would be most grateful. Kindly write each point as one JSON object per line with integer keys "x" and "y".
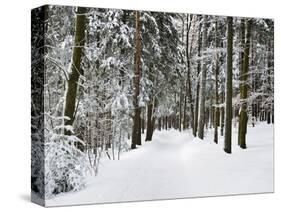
{"x": 37, "y": 165}
{"x": 66, "y": 167}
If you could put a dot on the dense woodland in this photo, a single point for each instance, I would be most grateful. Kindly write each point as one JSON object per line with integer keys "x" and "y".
{"x": 114, "y": 76}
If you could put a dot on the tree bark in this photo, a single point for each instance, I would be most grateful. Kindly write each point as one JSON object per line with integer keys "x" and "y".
{"x": 180, "y": 112}
{"x": 189, "y": 84}
{"x": 228, "y": 105}
{"x": 143, "y": 121}
{"x": 241, "y": 58}
{"x": 201, "y": 121}
{"x": 243, "y": 116}
{"x": 184, "y": 115}
{"x": 196, "y": 109}
{"x": 136, "y": 136}
{"x": 75, "y": 67}
{"x": 222, "y": 114}
{"x": 159, "y": 124}
{"x": 269, "y": 73}
{"x": 149, "y": 121}
{"x": 217, "y": 110}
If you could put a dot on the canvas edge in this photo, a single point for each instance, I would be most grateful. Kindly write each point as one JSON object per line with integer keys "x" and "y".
{"x": 37, "y": 105}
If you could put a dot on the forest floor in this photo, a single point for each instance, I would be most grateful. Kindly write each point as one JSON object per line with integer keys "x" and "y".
{"x": 177, "y": 165}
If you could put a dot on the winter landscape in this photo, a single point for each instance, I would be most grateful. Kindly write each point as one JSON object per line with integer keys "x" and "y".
{"x": 140, "y": 105}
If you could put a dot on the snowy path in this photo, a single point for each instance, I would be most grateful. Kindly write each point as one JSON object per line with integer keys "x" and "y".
{"x": 175, "y": 165}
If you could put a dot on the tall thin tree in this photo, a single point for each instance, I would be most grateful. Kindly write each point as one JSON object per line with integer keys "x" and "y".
{"x": 196, "y": 109}
{"x": 75, "y": 67}
{"x": 136, "y": 135}
{"x": 241, "y": 65}
{"x": 189, "y": 84}
{"x": 228, "y": 99}
{"x": 217, "y": 110}
{"x": 243, "y": 116}
{"x": 202, "y": 96}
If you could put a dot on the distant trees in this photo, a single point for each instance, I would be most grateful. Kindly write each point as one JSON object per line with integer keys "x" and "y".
{"x": 178, "y": 78}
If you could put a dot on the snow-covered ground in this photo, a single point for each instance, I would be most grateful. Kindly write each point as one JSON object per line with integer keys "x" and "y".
{"x": 175, "y": 165}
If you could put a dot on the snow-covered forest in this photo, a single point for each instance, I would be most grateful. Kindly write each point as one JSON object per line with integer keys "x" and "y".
{"x": 137, "y": 105}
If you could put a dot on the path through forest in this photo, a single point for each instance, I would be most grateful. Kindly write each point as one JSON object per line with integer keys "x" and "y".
{"x": 174, "y": 164}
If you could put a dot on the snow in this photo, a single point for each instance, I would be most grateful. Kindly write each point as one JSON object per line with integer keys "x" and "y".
{"x": 176, "y": 165}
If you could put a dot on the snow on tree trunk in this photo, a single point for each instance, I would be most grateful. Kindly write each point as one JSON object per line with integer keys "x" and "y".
{"x": 75, "y": 67}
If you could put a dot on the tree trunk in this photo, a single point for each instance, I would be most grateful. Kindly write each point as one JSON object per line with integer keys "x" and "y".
{"x": 75, "y": 67}
{"x": 228, "y": 105}
{"x": 243, "y": 116}
{"x": 253, "y": 76}
{"x": 196, "y": 110}
{"x": 222, "y": 114}
{"x": 217, "y": 110}
{"x": 139, "y": 128}
{"x": 207, "y": 116}
{"x": 268, "y": 117}
{"x": 136, "y": 137}
{"x": 149, "y": 121}
{"x": 159, "y": 124}
{"x": 184, "y": 115}
{"x": 272, "y": 115}
{"x": 269, "y": 73}
{"x": 180, "y": 111}
{"x": 241, "y": 58}
{"x": 211, "y": 125}
{"x": 143, "y": 122}
{"x": 122, "y": 51}
{"x": 203, "y": 84}
{"x": 169, "y": 122}
{"x": 189, "y": 85}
